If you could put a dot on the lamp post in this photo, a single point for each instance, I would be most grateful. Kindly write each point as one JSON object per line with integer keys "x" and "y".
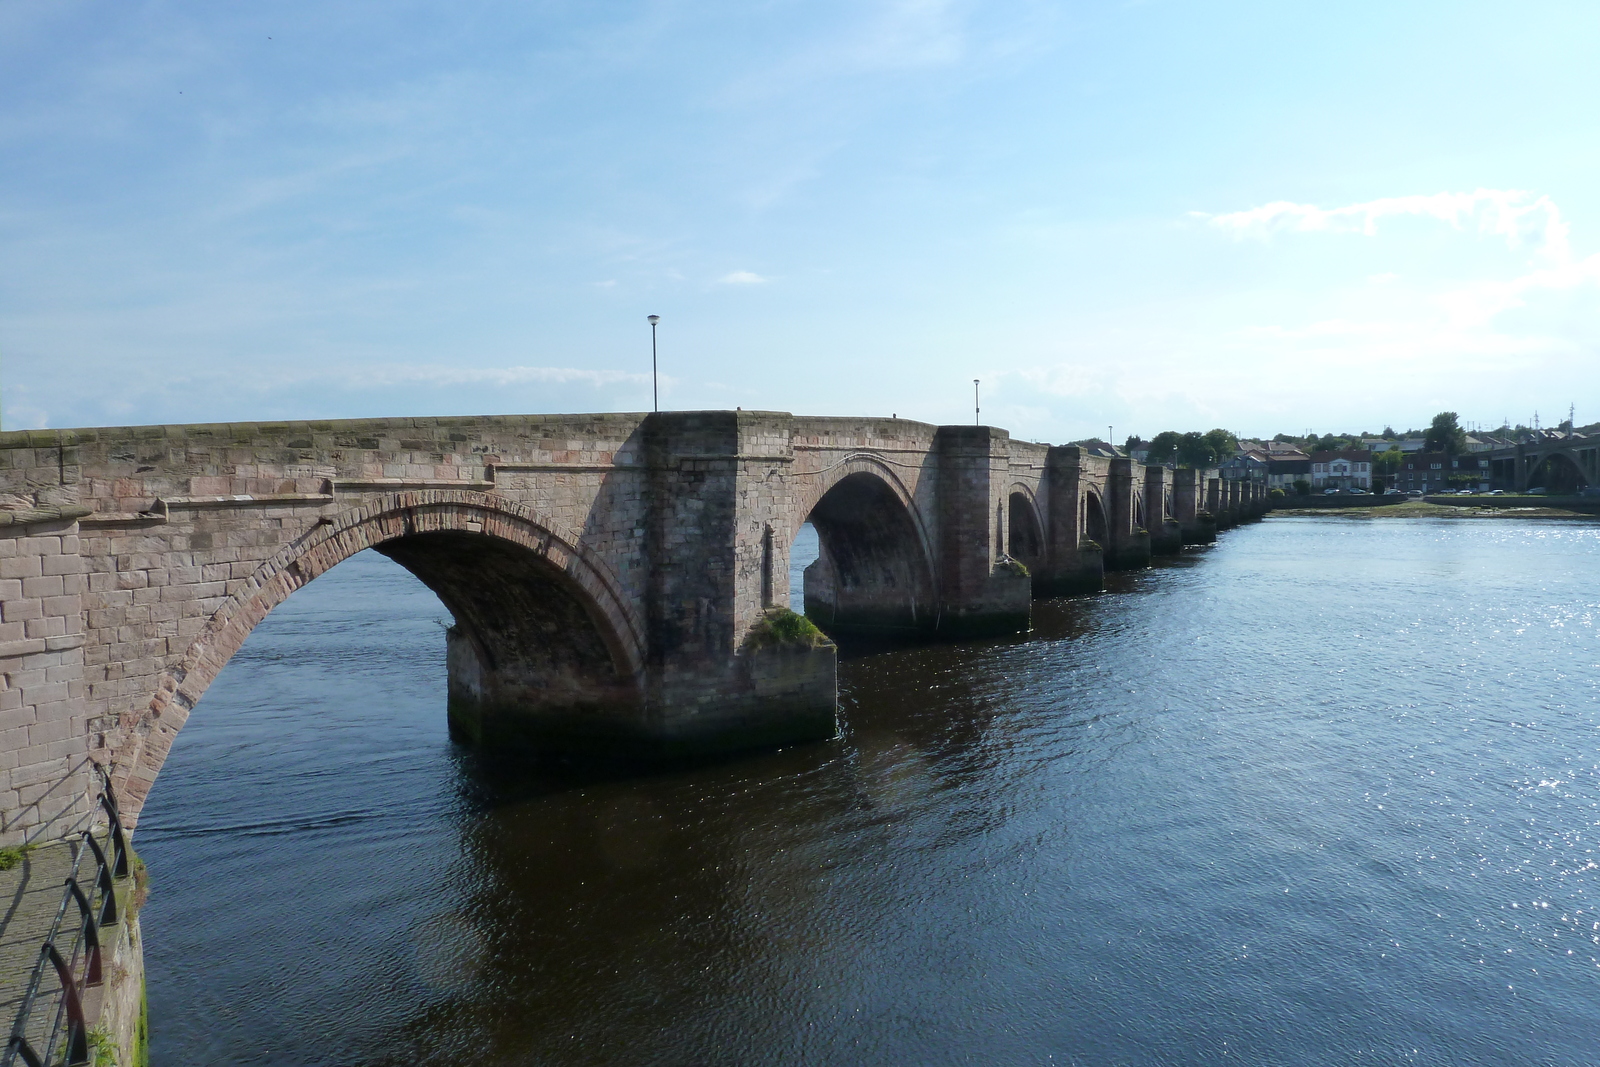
{"x": 975, "y": 408}
{"x": 655, "y": 391}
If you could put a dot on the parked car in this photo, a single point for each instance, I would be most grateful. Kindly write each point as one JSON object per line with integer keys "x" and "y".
{"x": 1394, "y": 492}
{"x": 1497, "y": 492}
{"x": 1329, "y": 492}
{"x": 1414, "y": 492}
{"x": 1537, "y": 491}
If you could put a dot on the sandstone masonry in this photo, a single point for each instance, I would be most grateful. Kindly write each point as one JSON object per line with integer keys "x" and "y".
{"x": 604, "y": 571}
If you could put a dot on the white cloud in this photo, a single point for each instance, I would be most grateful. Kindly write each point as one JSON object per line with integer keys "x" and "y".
{"x": 1514, "y": 214}
{"x": 1345, "y": 342}
{"x": 1494, "y": 339}
{"x": 498, "y": 376}
{"x": 21, "y": 414}
{"x": 1518, "y": 216}
{"x": 910, "y": 33}
{"x": 742, "y": 277}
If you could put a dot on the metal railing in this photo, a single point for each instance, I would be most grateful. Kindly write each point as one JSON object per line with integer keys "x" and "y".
{"x": 72, "y": 953}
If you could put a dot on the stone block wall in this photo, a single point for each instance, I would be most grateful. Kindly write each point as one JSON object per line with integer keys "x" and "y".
{"x": 46, "y": 782}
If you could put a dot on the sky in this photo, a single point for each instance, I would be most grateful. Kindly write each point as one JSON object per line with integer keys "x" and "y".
{"x": 1270, "y": 216}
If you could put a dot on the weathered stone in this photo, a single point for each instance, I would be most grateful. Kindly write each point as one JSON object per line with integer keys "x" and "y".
{"x": 603, "y": 570}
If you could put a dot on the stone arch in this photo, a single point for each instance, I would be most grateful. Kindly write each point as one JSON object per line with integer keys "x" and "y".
{"x": 1095, "y": 527}
{"x": 1138, "y": 510}
{"x": 874, "y": 575}
{"x": 1025, "y": 528}
{"x": 447, "y": 538}
{"x": 1557, "y": 472}
{"x": 819, "y": 484}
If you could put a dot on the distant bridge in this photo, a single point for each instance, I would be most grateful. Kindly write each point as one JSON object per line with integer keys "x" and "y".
{"x": 1556, "y": 462}
{"x": 605, "y": 572}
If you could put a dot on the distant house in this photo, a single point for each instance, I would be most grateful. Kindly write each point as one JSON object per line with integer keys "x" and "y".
{"x": 1351, "y": 469}
{"x": 1417, "y": 444}
{"x": 1245, "y": 466}
{"x": 1287, "y": 466}
{"x": 1431, "y": 471}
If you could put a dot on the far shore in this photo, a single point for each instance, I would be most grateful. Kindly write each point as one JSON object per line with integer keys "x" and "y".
{"x": 1421, "y": 509}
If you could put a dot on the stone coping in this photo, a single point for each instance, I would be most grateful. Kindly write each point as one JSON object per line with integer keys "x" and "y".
{"x": 42, "y": 513}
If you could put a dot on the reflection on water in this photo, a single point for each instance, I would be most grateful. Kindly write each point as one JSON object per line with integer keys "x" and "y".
{"x": 1324, "y": 793}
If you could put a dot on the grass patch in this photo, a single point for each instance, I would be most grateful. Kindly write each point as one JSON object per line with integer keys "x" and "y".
{"x": 781, "y": 627}
{"x": 12, "y": 855}
{"x": 1017, "y": 567}
{"x": 141, "y": 1033}
{"x": 141, "y": 881}
{"x": 102, "y": 1047}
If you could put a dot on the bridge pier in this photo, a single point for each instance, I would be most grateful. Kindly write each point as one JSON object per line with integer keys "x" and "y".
{"x": 1128, "y": 545}
{"x": 980, "y": 594}
{"x": 1216, "y": 502}
{"x": 1073, "y": 560}
{"x": 1166, "y": 535}
{"x": 1196, "y": 524}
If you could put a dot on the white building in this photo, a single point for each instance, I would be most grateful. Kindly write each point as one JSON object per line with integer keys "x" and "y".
{"x": 1341, "y": 470}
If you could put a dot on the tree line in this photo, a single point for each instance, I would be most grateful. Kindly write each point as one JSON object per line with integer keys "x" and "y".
{"x": 1196, "y": 449}
{"x": 1192, "y": 449}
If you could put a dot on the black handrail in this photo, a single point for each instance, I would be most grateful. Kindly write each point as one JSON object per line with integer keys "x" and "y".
{"x": 68, "y": 1030}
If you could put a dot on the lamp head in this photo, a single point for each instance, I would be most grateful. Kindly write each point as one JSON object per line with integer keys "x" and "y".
{"x": 654, "y": 319}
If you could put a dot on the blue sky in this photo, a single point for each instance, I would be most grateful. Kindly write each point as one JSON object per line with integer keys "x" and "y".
{"x": 1263, "y": 216}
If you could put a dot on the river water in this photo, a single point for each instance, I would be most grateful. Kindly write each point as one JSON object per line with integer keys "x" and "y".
{"x": 1327, "y": 792}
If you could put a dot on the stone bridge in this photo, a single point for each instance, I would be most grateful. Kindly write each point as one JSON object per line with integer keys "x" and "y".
{"x": 1559, "y": 463}
{"x": 608, "y": 575}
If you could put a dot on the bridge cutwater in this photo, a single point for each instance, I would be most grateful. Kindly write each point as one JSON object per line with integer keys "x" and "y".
{"x": 605, "y": 572}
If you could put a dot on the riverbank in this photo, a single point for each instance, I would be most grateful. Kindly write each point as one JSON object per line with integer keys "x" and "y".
{"x": 1425, "y": 509}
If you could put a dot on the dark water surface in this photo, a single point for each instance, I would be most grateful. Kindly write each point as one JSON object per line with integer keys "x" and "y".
{"x": 1326, "y": 793}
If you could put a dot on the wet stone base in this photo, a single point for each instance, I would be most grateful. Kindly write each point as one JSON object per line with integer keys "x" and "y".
{"x": 770, "y": 697}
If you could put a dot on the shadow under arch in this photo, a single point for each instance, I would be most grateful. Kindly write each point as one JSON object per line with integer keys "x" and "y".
{"x": 1024, "y": 529}
{"x": 1558, "y": 473}
{"x": 540, "y": 627}
{"x": 1094, "y": 518}
{"x": 873, "y": 577}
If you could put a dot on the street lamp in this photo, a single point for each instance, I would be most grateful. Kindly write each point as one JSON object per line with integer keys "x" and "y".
{"x": 975, "y": 408}
{"x": 655, "y": 391}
